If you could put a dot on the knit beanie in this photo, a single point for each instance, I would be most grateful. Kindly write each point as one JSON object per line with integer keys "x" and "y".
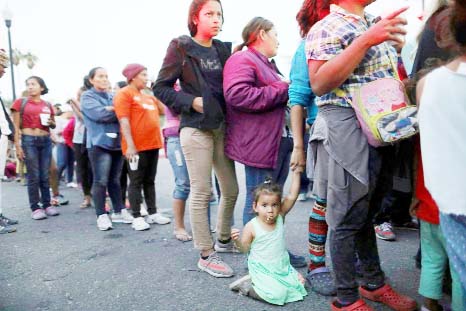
{"x": 132, "y": 70}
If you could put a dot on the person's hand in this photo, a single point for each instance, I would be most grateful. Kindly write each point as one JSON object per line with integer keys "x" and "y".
{"x": 414, "y": 206}
{"x": 20, "y": 153}
{"x": 198, "y": 104}
{"x": 110, "y": 108}
{"x": 301, "y": 279}
{"x": 235, "y": 234}
{"x": 130, "y": 152}
{"x": 387, "y": 29}
{"x": 51, "y": 123}
{"x": 298, "y": 159}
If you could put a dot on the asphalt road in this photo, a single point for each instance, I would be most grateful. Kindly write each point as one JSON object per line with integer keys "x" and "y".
{"x": 65, "y": 263}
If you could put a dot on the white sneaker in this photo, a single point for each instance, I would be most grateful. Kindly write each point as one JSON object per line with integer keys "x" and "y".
{"x": 127, "y": 217}
{"x": 139, "y": 224}
{"x": 143, "y": 211}
{"x": 302, "y": 197}
{"x": 71, "y": 185}
{"x": 157, "y": 218}
{"x": 104, "y": 223}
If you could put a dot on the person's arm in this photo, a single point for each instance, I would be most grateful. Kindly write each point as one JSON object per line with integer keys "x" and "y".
{"x": 95, "y": 111}
{"x": 16, "y": 122}
{"x": 126, "y": 130}
{"x": 244, "y": 240}
{"x": 76, "y": 109}
{"x": 326, "y": 75}
{"x": 242, "y": 92}
{"x": 290, "y": 199}
{"x": 171, "y": 71}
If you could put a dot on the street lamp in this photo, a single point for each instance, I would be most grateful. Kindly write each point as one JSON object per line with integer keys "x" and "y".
{"x": 7, "y": 16}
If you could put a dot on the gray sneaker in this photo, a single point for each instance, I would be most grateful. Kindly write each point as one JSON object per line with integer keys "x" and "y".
{"x": 242, "y": 285}
{"x": 215, "y": 266}
{"x": 38, "y": 214}
{"x": 225, "y": 247}
{"x": 52, "y": 211}
{"x": 7, "y": 229}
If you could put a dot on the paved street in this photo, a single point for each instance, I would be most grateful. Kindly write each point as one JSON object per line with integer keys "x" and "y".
{"x": 65, "y": 263}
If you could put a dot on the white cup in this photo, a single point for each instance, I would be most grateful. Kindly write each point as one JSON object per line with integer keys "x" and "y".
{"x": 133, "y": 162}
{"x": 44, "y": 119}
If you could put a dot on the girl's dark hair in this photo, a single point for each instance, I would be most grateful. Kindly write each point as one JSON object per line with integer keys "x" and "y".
{"x": 41, "y": 83}
{"x": 194, "y": 9}
{"x": 252, "y": 30}
{"x": 458, "y": 22}
{"x": 310, "y": 13}
{"x": 267, "y": 187}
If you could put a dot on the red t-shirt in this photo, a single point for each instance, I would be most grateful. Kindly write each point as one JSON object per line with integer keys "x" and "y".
{"x": 427, "y": 209}
{"x": 32, "y": 110}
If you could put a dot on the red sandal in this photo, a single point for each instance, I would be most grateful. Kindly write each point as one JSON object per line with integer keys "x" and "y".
{"x": 358, "y": 305}
{"x": 389, "y": 297}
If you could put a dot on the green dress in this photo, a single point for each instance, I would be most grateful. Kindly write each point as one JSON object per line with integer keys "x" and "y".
{"x": 273, "y": 278}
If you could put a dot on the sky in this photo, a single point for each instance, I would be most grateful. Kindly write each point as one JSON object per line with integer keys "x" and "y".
{"x": 70, "y": 37}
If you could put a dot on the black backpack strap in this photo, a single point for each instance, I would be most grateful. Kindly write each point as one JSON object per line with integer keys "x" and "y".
{"x": 21, "y": 111}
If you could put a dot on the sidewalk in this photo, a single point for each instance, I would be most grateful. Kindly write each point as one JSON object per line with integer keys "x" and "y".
{"x": 65, "y": 263}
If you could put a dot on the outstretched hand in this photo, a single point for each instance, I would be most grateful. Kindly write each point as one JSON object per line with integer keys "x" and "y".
{"x": 387, "y": 29}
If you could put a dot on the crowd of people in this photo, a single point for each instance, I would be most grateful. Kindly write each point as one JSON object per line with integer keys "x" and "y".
{"x": 223, "y": 106}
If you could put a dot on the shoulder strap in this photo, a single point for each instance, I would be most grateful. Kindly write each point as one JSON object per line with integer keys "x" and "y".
{"x": 24, "y": 101}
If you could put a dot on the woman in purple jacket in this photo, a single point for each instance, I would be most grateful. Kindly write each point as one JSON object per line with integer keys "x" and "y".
{"x": 256, "y": 98}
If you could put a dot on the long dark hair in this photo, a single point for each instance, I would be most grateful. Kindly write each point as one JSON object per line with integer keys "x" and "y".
{"x": 194, "y": 9}
{"x": 251, "y": 31}
{"x": 41, "y": 83}
{"x": 458, "y": 22}
{"x": 310, "y": 13}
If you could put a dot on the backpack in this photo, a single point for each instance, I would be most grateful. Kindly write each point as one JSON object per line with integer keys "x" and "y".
{"x": 23, "y": 106}
{"x": 384, "y": 111}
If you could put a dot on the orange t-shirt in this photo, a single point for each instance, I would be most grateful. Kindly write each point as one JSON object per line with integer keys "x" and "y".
{"x": 143, "y": 113}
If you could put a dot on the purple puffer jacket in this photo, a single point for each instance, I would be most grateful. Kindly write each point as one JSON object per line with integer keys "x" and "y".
{"x": 255, "y": 99}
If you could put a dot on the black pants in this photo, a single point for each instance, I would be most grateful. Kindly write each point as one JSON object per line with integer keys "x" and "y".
{"x": 83, "y": 167}
{"x": 355, "y": 238}
{"x": 143, "y": 179}
{"x": 392, "y": 196}
{"x": 124, "y": 183}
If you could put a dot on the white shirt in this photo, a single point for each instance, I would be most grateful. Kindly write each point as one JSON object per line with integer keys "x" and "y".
{"x": 442, "y": 123}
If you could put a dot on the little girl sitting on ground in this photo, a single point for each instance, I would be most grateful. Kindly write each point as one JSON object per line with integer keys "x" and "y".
{"x": 271, "y": 277}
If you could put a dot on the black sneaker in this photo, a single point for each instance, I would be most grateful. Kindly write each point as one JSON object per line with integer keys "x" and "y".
{"x": 297, "y": 261}
{"x": 7, "y": 229}
{"x": 7, "y": 221}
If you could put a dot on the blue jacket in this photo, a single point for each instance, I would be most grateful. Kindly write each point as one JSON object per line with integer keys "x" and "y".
{"x": 103, "y": 129}
{"x": 300, "y": 92}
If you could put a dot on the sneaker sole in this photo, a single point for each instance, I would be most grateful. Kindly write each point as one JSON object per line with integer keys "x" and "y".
{"x": 213, "y": 273}
{"x": 385, "y": 238}
{"x": 122, "y": 221}
{"x": 145, "y": 229}
{"x": 105, "y": 229}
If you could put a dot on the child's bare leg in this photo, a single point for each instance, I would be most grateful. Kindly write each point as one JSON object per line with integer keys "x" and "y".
{"x": 432, "y": 304}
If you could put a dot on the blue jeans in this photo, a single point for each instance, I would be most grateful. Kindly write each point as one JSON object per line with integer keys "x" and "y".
{"x": 178, "y": 164}
{"x": 255, "y": 176}
{"x": 65, "y": 160}
{"x": 106, "y": 169}
{"x": 38, "y": 155}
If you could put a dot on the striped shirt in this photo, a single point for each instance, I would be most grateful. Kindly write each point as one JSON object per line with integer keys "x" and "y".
{"x": 330, "y": 36}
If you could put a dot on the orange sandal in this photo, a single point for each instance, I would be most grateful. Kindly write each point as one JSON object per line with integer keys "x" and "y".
{"x": 358, "y": 305}
{"x": 389, "y": 297}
